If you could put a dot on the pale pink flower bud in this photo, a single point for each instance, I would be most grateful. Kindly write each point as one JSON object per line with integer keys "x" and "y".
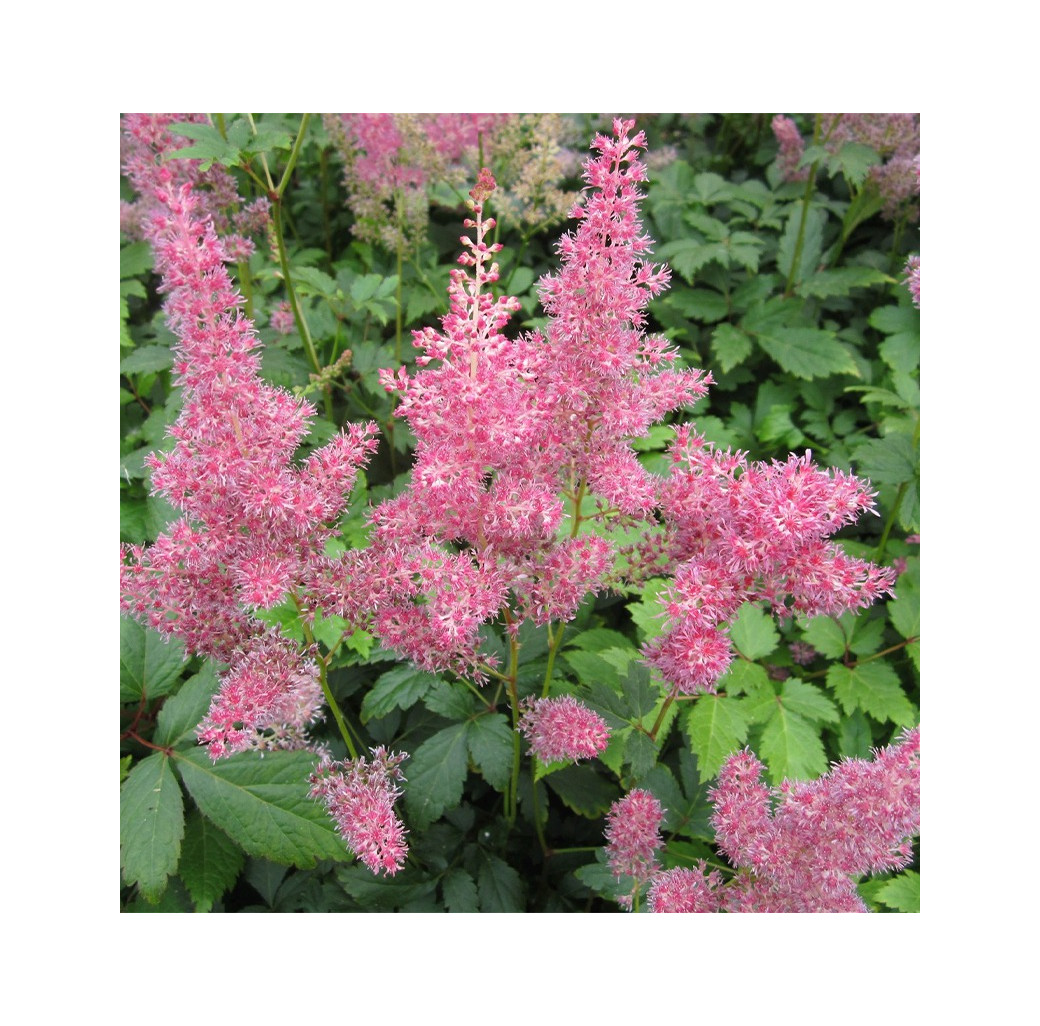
{"x": 562, "y": 728}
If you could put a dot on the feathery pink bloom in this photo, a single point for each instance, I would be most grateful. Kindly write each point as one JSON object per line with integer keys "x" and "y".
{"x": 562, "y": 728}
{"x": 282, "y": 319}
{"x": 359, "y": 796}
{"x": 633, "y": 838}
{"x": 685, "y": 890}
{"x": 803, "y": 855}
{"x": 802, "y": 652}
{"x": 792, "y": 146}
{"x": 913, "y": 279}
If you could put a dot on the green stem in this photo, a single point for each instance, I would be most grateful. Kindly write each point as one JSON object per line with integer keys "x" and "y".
{"x": 514, "y": 703}
{"x": 800, "y": 241}
{"x": 664, "y": 709}
{"x": 293, "y": 156}
{"x": 283, "y": 259}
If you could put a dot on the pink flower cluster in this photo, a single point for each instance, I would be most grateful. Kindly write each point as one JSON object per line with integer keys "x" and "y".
{"x": 792, "y": 146}
{"x": 633, "y": 838}
{"x": 913, "y": 279}
{"x": 359, "y": 795}
{"x": 803, "y": 855}
{"x": 253, "y": 519}
{"x": 148, "y": 145}
{"x": 743, "y": 531}
{"x": 562, "y": 728}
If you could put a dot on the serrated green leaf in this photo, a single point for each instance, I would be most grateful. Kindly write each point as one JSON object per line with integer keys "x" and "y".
{"x": 807, "y": 352}
{"x": 890, "y": 460}
{"x": 840, "y": 281}
{"x": 902, "y": 892}
{"x": 598, "y": 639}
{"x": 135, "y": 259}
{"x": 730, "y": 347}
{"x": 640, "y": 753}
{"x": 263, "y": 804}
{"x": 866, "y": 635}
{"x": 452, "y": 701}
{"x": 591, "y": 668}
{"x": 490, "y": 741}
{"x": 499, "y": 886}
{"x": 753, "y": 632}
{"x": 151, "y": 825}
{"x": 704, "y": 305}
{"x": 812, "y": 242}
{"x": 640, "y": 695}
{"x": 743, "y": 678}
{"x": 316, "y": 280}
{"x": 854, "y": 160}
{"x": 854, "y": 738}
{"x": 716, "y": 727}
{"x": 647, "y": 612}
{"x": 384, "y": 893}
{"x": 791, "y": 747}
{"x": 808, "y": 701}
{"x": 181, "y": 714}
{"x": 147, "y": 360}
{"x": 436, "y": 774}
{"x": 824, "y": 633}
{"x": 894, "y": 320}
{"x": 873, "y": 687}
{"x": 901, "y": 352}
{"x": 459, "y": 891}
{"x": 399, "y": 688}
{"x": 210, "y": 862}
{"x": 147, "y": 665}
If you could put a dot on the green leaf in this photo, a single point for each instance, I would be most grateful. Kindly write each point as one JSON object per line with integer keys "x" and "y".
{"x": 753, "y": 632}
{"x": 854, "y": 160}
{"x": 791, "y": 747}
{"x": 716, "y": 727}
{"x": 599, "y": 638}
{"x": 499, "y": 886}
{"x": 640, "y": 694}
{"x": 452, "y": 701}
{"x": 901, "y": 352}
{"x": 807, "y": 352}
{"x": 730, "y": 347}
{"x": 135, "y": 259}
{"x": 640, "y": 753}
{"x": 854, "y": 737}
{"x": 647, "y": 612}
{"x": 263, "y": 804}
{"x": 459, "y": 891}
{"x": 591, "y": 667}
{"x": 436, "y": 775}
{"x": 808, "y": 701}
{"x": 490, "y": 741}
{"x": 873, "y": 687}
{"x": 704, "y": 305}
{"x": 148, "y": 665}
{"x": 583, "y": 790}
{"x": 147, "y": 360}
{"x": 864, "y": 205}
{"x": 902, "y": 892}
{"x": 905, "y": 611}
{"x": 890, "y": 460}
{"x": 743, "y": 678}
{"x": 894, "y": 320}
{"x": 151, "y": 825}
{"x": 399, "y": 688}
{"x": 181, "y": 714}
{"x": 840, "y": 281}
{"x": 210, "y": 862}
{"x": 812, "y": 242}
{"x": 825, "y": 634}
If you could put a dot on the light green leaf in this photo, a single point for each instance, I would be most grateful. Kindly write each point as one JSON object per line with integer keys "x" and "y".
{"x": 791, "y": 747}
{"x": 874, "y": 688}
{"x": 436, "y": 775}
{"x": 902, "y": 892}
{"x": 854, "y": 737}
{"x": 808, "y": 701}
{"x": 716, "y": 727}
{"x": 753, "y": 632}
{"x": 807, "y": 352}
{"x": 730, "y": 347}
{"x": 210, "y": 862}
{"x": 743, "y": 678}
{"x": 825, "y": 634}
{"x": 151, "y": 825}
{"x": 263, "y": 804}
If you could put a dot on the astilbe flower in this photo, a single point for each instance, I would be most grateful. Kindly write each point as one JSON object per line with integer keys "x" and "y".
{"x": 633, "y": 839}
{"x": 803, "y": 855}
{"x": 792, "y": 146}
{"x": 741, "y": 531}
{"x": 148, "y": 145}
{"x": 391, "y": 159}
{"x": 507, "y": 429}
{"x": 913, "y": 279}
{"x": 562, "y": 728}
{"x": 802, "y": 652}
{"x": 685, "y": 890}
{"x": 359, "y": 796}
{"x": 253, "y": 520}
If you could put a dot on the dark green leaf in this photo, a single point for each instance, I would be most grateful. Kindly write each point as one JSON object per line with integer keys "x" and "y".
{"x": 181, "y": 714}
{"x": 263, "y": 804}
{"x": 640, "y": 753}
{"x": 700, "y": 304}
{"x": 452, "y": 701}
{"x": 490, "y": 741}
{"x": 583, "y": 790}
{"x": 889, "y": 460}
{"x": 399, "y": 688}
{"x": 459, "y": 891}
{"x": 147, "y": 665}
{"x": 730, "y": 347}
{"x": 499, "y": 886}
{"x": 147, "y": 360}
{"x": 210, "y": 862}
{"x": 807, "y": 352}
{"x": 812, "y": 242}
{"x": 840, "y": 281}
{"x": 854, "y": 737}
{"x": 436, "y": 774}
{"x": 151, "y": 825}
